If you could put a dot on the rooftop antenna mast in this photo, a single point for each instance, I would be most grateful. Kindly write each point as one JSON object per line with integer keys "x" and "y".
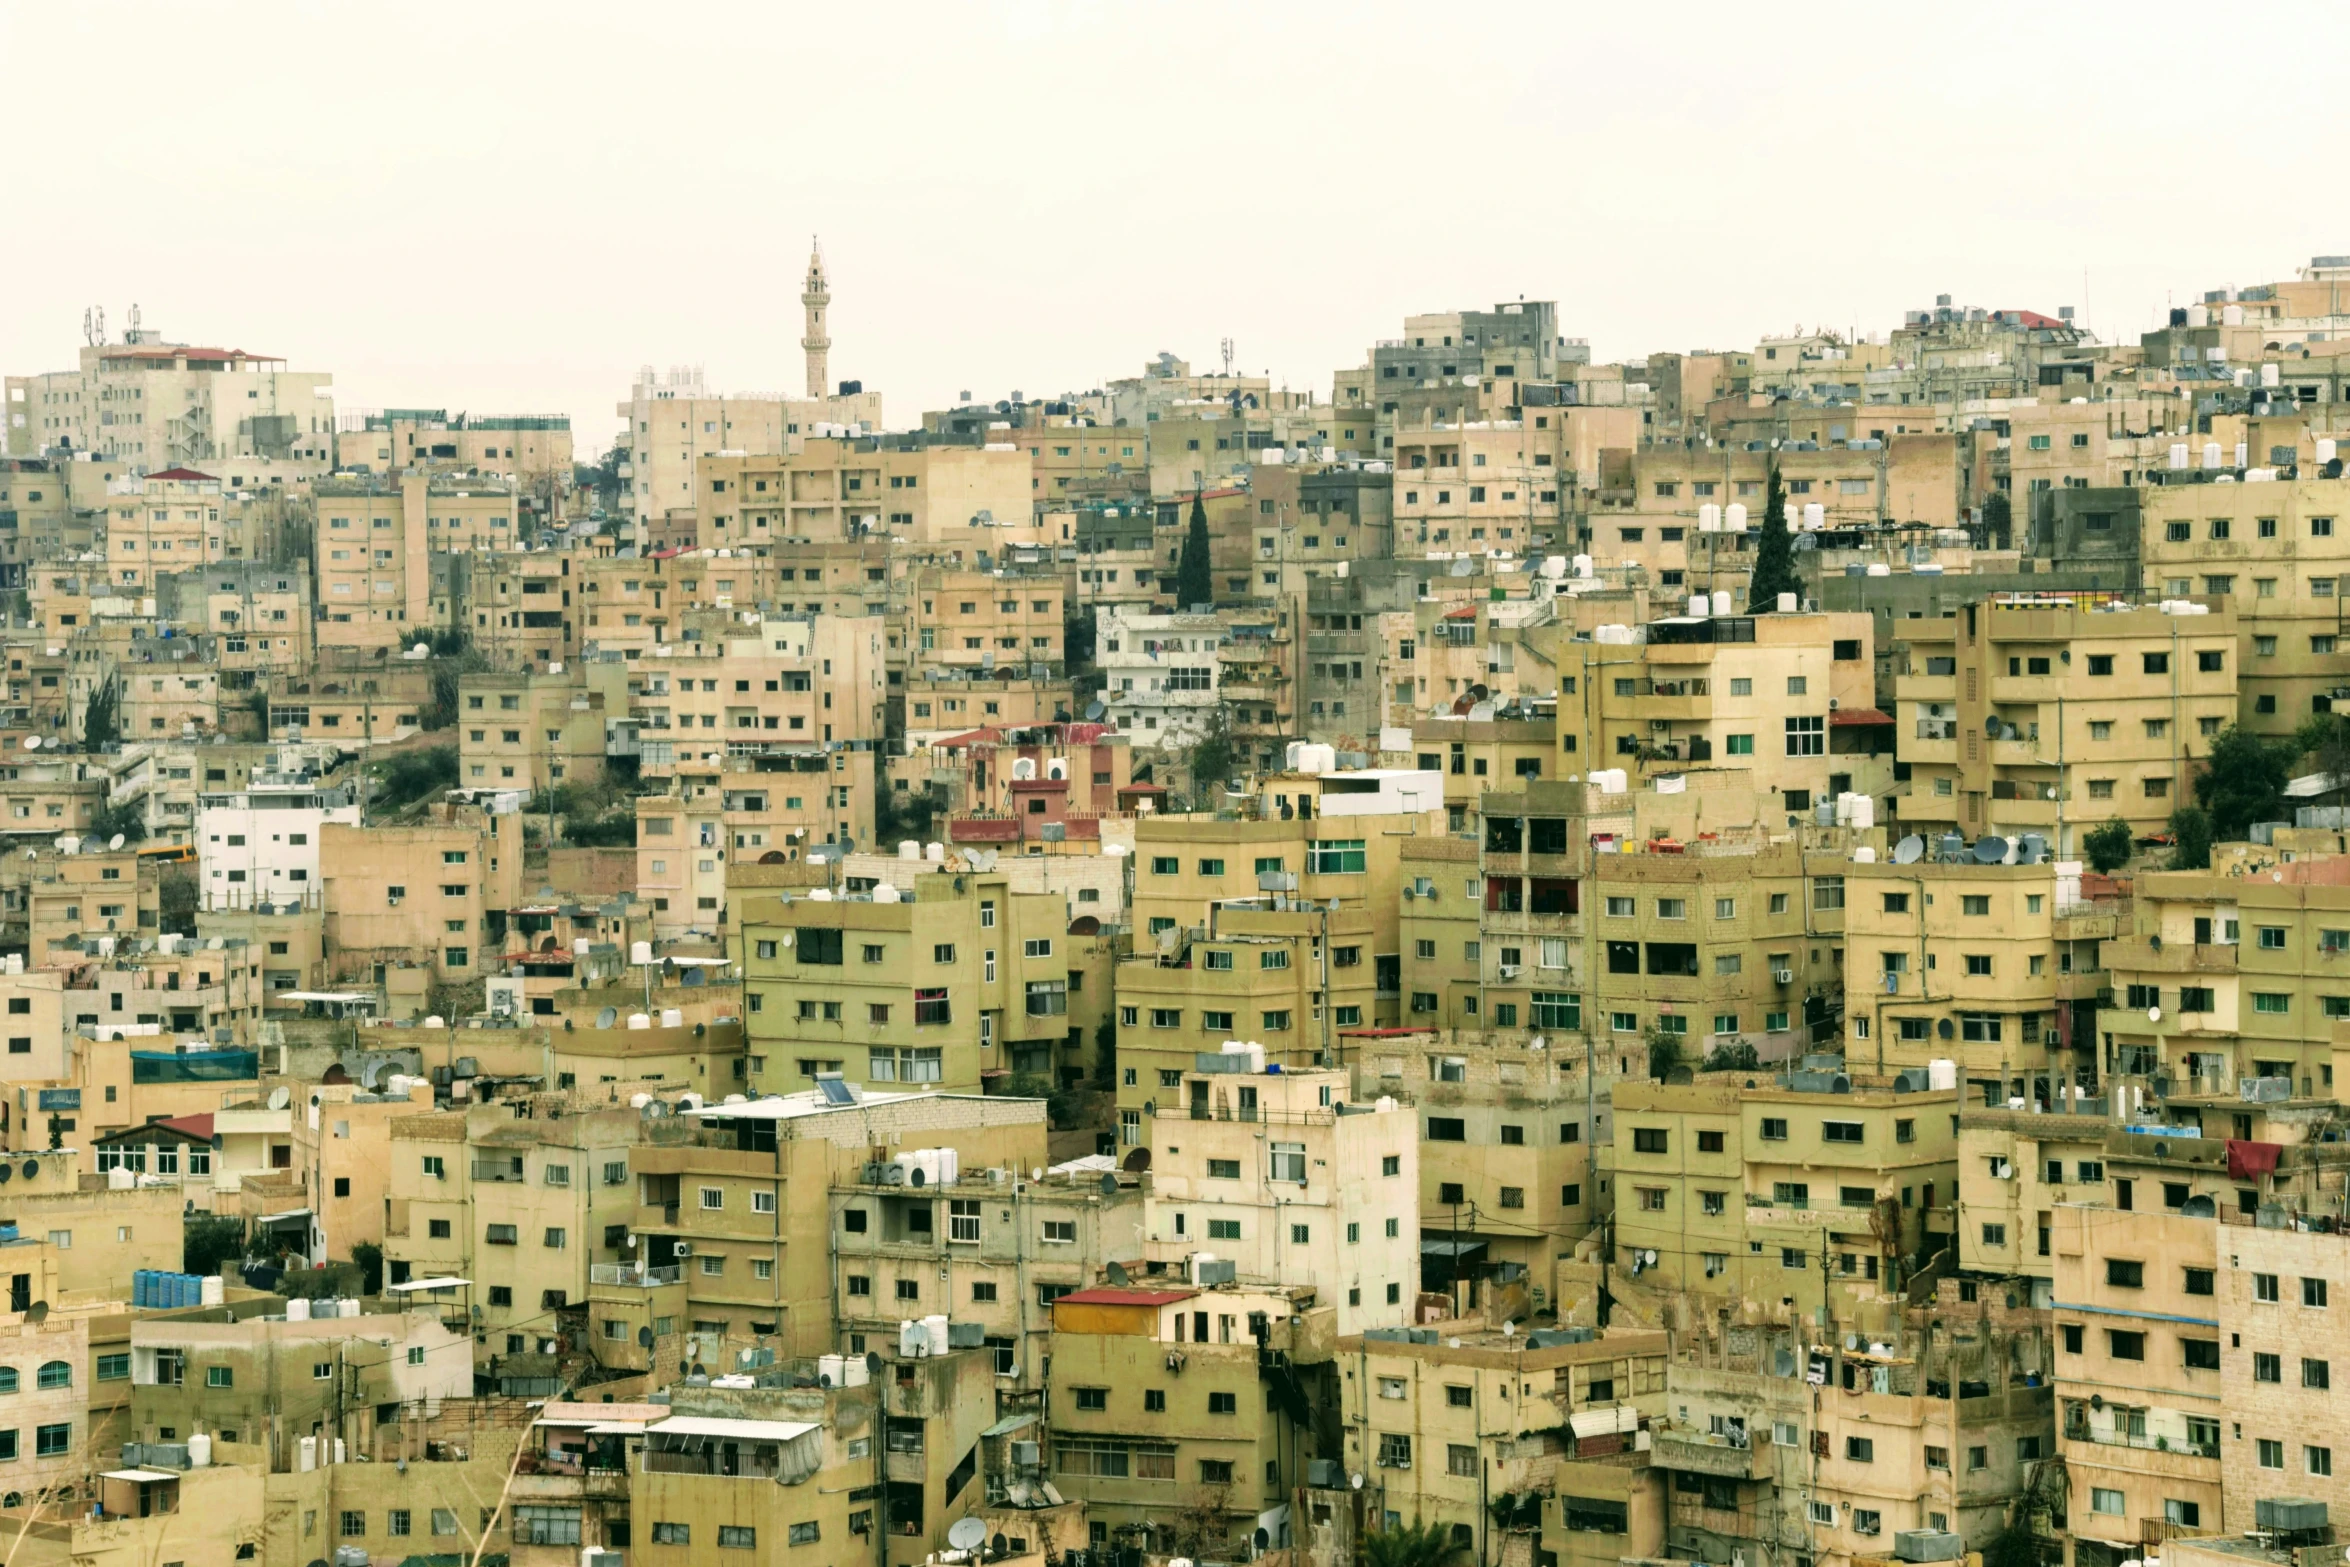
{"x": 1227, "y": 356}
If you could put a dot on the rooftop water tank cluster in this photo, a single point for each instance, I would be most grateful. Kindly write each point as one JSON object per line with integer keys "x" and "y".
{"x": 157, "y": 1290}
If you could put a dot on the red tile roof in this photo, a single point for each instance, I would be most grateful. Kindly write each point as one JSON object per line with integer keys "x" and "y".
{"x": 184, "y": 473}
{"x": 1125, "y": 1297}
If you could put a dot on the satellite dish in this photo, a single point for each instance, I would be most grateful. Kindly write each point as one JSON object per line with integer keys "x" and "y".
{"x": 966, "y": 1534}
{"x": 644, "y": 1338}
{"x": 1990, "y": 850}
{"x": 7, "y": 1172}
{"x": 1117, "y": 1274}
{"x": 1909, "y": 850}
{"x": 2154, "y": 1014}
{"x": 280, "y": 1097}
{"x": 1355, "y": 1480}
{"x": 1109, "y": 1184}
{"x": 1138, "y": 1159}
{"x": 32, "y": 742}
{"x": 873, "y": 1361}
{"x": 114, "y": 842}
{"x": 1536, "y": 1043}
{"x": 607, "y": 1017}
{"x": 1264, "y": 1538}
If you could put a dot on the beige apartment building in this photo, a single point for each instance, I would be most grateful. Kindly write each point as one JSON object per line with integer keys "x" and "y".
{"x": 676, "y": 425}
{"x": 734, "y": 810}
{"x": 428, "y": 896}
{"x": 526, "y": 1199}
{"x": 1478, "y": 488}
{"x": 834, "y": 488}
{"x": 1789, "y": 1191}
{"x": 539, "y": 726}
{"x": 784, "y": 685}
{"x": 978, "y": 622}
{"x": 2024, "y": 714}
{"x": 1479, "y": 1431}
{"x": 1997, "y": 967}
{"x": 941, "y": 986}
{"x": 734, "y": 1213}
{"x": 168, "y": 521}
{"x": 2274, "y": 553}
{"x": 1762, "y": 695}
{"x": 523, "y": 447}
{"x": 1258, "y": 972}
{"x": 2224, "y": 979}
{"x": 1009, "y": 1243}
{"x": 154, "y": 404}
{"x": 376, "y": 540}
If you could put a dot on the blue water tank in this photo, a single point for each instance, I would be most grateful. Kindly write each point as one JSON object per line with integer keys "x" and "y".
{"x": 139, "y": 1287}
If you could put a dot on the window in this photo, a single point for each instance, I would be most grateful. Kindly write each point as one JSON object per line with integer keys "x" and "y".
{"x": 2122, "y": 1345}
{"x": 673, "y": 1534}
{"x": 2125, "y": 1275}
{"x": 2267, "y": 1367}
{"x": 2313, "y": 1292}
{"x": 1807, "y": 736}
{"x": 2108, "y": 1500}
{"x": 2316, "y": 1373}
{"x": 2200, "y": 1354}
{"x": 214, "y": 1376}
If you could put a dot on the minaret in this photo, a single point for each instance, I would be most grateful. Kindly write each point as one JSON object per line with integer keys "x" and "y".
{"x": 815, "y": 299}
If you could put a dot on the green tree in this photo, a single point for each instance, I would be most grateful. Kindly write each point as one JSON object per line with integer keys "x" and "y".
{"x": 1192, "y": 585}
{"x": 1212, "y": 760}
{"x": 127, "y": 818}
{"x": 1665, "y": 1052}
{"x": 369, "y": 1259}
{"x": 102, "y": 716}
{"x": 1740, "y": 1057}
{"x": 213, "y": 1243}
{"x": 1414, "y": 1544}
{"x": 176, "y": 898}
{"x": 1774, "y": 553}
{"x": 2190, "y": 827}
{"x": 2109, "y": 847}
{"x": 2243, "y": 781}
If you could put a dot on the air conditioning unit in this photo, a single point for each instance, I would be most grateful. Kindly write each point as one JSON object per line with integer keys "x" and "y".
{"x": 685, "y": 1248}
{"x": 2052, "y": 1039}
{"x": 1509, "y": 971}
{"x": 1782, "y": 976}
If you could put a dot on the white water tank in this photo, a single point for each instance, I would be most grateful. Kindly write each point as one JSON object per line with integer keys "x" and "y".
{"x": 831, "y": 1369}
{"x": 120, "y": 1180}
{"x": 885, "y": 893}
{"x": 1942, "y": 1075}
{"x": 2178, "y": 455}
{"x": 1787, "y": 603}
{"x": 199, "y": 1450}
{"x": 1582, "y": 565}
{"x": 909, "y": 849}
{"x": 1864, "y": 811}
{"x": 2197, "y": 315}
{"x": 2231, "y": 315}
{"x": 856, "y": 1371}
{"x": 297, "y": 1310}
{"x": 1792, "y": 515}
{"x": 1699, "y": 606}
{"x": 639, "y": 1020}
{"x": 640, "y": 952}
{"x": 912, "y": 1340}
{"x": 1256, "y": 1057}
{"x": 2268, "y": 374}
{"x": 2211, "y": 457}
{"x": 580, "y": 946}
{"x": 950, "y": 1166}
{"x": 672, "y": 1017}
{"x": 309, "y": 1458}
{"x": 1709, "y": 518}
{"x": 935, "y": 1329}
{"x": 1815, "y": 516}
{"x": 340, "y": 1456}
{"x": 1734, "y": 518}
{"x": 1864, "y": 855}
{"x": 935, "y": 853}
{"x": 1721, "y": 601}
{"x": 213, "y": 1291}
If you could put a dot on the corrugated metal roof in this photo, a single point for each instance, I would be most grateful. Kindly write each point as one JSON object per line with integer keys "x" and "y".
{"x": 1125, "y": 1297}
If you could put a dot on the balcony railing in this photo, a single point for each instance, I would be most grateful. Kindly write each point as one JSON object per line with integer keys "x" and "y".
{"x": 622, "y": 1273}
{"x": 2080, "y": 1431}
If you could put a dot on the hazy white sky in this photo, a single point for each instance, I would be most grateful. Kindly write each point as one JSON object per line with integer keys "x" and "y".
{"x": 508, "y": 208}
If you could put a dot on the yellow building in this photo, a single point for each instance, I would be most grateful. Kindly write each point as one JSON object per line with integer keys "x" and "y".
{"x": 1791, "y": 1190}
{"x": 2026, "y": 715}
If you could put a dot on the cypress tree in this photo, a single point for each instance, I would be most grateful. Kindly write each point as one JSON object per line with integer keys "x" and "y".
{"x": 1774, "y": 554}
{"x": 1192, "y": 585}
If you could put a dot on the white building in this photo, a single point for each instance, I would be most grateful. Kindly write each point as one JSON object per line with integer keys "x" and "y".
{"x": 158, "y": 405}
{"x": 260, "y": 844}
{"x": 1285, "y": 1177}
{"x": 1159, "y": 672}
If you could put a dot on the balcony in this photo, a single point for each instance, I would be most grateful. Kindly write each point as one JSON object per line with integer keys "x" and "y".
{"x": 1699, "y": 1452}
{"x": 627, "y": 1276}
{"x": 2143, "y": 955}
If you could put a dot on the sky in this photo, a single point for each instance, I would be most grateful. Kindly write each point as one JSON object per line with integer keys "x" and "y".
{"x": 509, "y": 208}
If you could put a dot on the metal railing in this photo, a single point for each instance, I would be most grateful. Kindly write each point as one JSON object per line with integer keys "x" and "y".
{"x": 628, "y": 1274}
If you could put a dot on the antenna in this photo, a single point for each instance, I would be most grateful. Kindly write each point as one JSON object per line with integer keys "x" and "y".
{"x": 1227, "y": 356}
{"x": 133, "y": 335}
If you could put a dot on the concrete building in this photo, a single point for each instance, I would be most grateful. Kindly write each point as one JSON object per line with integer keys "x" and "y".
{"x": 2024, "y": 716}
{"x": 674, "y": 422}
{"x": 156, "y": 404}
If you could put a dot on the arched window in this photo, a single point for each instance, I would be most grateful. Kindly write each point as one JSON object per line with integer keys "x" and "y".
{"x": 7, "y": 1379}
{"x": 57, "y": 1373}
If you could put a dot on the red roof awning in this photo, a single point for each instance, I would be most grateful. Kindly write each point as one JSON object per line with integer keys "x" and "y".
{"x": 1124, "y": 1297}
{"x": 1849, "y": 717}
{"x": 184, "y": 474}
